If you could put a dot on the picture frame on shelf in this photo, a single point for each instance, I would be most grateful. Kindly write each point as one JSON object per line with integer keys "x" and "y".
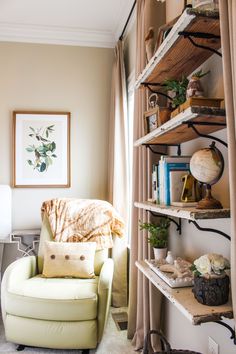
{"x": 151, "y": 119}
{"x": 41, "y": 149}
{"x": 155, "y": 117}
{"x": 163, "y": 32}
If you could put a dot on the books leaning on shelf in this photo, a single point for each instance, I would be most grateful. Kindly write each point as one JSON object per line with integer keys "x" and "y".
{"x": 171, "y": 170}
{"x": 155, "y": 193}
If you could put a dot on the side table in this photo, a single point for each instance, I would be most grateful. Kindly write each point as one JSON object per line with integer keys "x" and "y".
{"x": 26, "y": 241}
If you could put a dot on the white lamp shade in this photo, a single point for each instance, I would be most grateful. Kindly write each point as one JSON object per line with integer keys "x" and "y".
{"x": 5, "y": 211}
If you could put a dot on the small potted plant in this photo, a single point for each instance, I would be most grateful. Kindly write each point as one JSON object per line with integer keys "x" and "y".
{"x": 178, "y": 89}
{"x": 158, "y": 238}
{"x": 211, "y": 283}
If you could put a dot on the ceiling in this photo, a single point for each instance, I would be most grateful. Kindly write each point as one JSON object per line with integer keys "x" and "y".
{"x": 97, "y": 23}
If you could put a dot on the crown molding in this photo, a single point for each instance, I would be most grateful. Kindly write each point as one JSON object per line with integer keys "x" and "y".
{"x": 14, "y": 32}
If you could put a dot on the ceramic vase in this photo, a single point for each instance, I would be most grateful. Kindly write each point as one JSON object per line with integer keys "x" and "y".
{"x": 160, "y": 253}
{"x": 194, "y": 88}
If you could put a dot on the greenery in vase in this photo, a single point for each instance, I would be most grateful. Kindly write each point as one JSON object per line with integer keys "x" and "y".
{"x": 43, "y": 149}
{"x": 179, "y": 88}
{"x": 158, "y": 232}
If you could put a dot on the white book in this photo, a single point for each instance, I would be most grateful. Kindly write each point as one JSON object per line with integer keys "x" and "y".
{"x": 176, "y": 185}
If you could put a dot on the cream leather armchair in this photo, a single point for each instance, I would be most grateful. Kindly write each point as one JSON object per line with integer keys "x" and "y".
{"x": 59, "y": 313}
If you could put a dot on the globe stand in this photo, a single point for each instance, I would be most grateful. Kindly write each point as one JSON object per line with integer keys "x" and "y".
{"x": 208, "y": 202}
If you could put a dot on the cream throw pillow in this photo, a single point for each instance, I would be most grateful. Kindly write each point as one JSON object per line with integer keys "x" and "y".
{"x": 69, "y": 259}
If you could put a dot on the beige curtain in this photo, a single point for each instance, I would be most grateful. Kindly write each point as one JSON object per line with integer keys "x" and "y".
{"x": 118, "y": 172}
{"x": 228, "y": 41}
{"x": 144, "y": 299}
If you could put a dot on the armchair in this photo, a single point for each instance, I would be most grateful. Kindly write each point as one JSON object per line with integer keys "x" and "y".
{"x": 59, "y": 313}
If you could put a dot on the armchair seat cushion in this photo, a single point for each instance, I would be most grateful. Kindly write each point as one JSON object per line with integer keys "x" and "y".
{"x": 59, "y": 299}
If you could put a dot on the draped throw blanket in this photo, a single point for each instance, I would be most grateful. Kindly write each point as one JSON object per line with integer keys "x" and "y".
{"x": 83, "y": 220}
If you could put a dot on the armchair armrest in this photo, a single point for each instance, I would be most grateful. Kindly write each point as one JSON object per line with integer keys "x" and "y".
{"x": 104, "y": 294}
{"x": 16, "y": 272}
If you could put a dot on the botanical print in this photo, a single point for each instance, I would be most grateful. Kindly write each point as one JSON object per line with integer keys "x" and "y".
{"x": 42, "y": 148}
{"x": 41, "y": 152}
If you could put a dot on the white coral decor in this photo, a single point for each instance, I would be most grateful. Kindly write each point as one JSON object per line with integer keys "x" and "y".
{"x": 211, "y": 264}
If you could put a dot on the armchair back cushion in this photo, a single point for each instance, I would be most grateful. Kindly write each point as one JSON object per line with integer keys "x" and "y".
{"x": 46, "y": 235}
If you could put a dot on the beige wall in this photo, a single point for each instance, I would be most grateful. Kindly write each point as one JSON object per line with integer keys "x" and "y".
{"x": 62, "y": 78}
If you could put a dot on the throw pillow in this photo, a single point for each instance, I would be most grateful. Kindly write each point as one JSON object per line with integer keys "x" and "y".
{"x": 69, "y": 259}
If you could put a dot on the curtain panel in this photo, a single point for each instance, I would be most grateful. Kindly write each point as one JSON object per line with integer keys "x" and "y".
{"x": 118, "y": 172}
{"x": 228, "y": 42}
{"x": 143, "y": 296}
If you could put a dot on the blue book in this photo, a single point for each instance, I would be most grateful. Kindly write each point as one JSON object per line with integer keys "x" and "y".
{"x": 167, "y": 168}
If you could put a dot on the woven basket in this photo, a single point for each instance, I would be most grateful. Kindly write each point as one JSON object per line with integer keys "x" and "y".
{"x": 165, "y": 345}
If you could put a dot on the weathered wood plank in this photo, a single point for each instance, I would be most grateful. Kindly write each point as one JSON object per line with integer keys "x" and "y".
{"x": 175, "y": 132}
{"x": 183, "y": 299}
{"x": 169, "y": 56}
{"x": 185, "y": 213}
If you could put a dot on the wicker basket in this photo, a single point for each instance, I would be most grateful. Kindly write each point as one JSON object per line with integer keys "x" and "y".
{"x": 165, "y": 345}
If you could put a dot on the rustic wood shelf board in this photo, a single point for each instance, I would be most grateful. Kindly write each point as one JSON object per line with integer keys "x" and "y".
{"x": 170, "y": 53}
{"x": 184, "y": 300}
{"x": 184, "y": 213}
{"x": 175, "y": 131}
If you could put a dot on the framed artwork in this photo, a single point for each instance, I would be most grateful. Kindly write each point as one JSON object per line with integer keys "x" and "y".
{"x": 151, "y": 120}
{"x": 41, "y": 149}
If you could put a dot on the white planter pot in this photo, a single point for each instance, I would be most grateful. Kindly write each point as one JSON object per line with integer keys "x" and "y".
{"x": 160, "y": 253}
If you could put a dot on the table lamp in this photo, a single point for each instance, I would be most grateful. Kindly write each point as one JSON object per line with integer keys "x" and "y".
{"x": 5, "y": 211}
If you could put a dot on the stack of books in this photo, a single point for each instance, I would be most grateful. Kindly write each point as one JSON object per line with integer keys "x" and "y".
{"x": 167, "y": 183}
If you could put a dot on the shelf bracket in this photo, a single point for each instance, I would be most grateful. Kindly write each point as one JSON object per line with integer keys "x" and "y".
{"x": 149, "y": 146}
{"x": 192, "y": 126}
{"x": 178, "y": 224}
{"x": 202, "y": 35}
{"x": 148, "y": 84}
{"x": 153, "y": 151}
{"x": 232, "y": 331}
{"x": 209, "y": 230}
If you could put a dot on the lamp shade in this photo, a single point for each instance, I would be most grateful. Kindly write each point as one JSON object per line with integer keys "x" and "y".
{"x": 5, "y": 211}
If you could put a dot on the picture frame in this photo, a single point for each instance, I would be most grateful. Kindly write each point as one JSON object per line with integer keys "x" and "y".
{"x": 151, "y": 119}
{"x": 41, "y": 149}
{"x": 155, "y": 117}
{"x": 163, "y": 32}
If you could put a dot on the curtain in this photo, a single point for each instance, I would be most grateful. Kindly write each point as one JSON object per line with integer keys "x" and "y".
{"x": 144, "y": 298}
{"x": 118, "y": 172}
{"x": 228, "y": 42}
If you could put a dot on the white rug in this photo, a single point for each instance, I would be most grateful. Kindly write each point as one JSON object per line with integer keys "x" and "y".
{"x": 113, "y": 342}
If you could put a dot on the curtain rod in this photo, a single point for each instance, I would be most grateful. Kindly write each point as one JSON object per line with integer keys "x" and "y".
{"x": 126, "y": 24}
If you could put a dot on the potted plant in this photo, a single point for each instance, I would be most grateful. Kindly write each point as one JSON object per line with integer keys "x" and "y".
{"x": 211, "y": 283}
{"x": 158, "y": 238}
{"x": 178, "y": 89}
{"x": 182, "y": 89}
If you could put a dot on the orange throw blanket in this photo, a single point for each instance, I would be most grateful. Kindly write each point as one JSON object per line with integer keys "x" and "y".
{"x": 82, "y": 220}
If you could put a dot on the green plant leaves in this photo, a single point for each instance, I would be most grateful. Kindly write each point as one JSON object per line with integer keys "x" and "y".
{"x": 158, "y": 232}
{"x": 43, "y": 150}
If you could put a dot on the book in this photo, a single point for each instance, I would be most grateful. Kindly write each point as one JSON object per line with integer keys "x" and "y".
{"x": 167, "y": 164}
{"x": 168, "y": 167}
{"x": 176, "y": 186}
{"x": 154, "y": 183}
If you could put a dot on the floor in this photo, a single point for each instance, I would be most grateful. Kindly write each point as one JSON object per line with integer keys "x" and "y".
{"x": 113, "y": 342}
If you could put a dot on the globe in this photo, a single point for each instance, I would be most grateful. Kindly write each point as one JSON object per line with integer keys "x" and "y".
{"x": 207, "y": 166}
